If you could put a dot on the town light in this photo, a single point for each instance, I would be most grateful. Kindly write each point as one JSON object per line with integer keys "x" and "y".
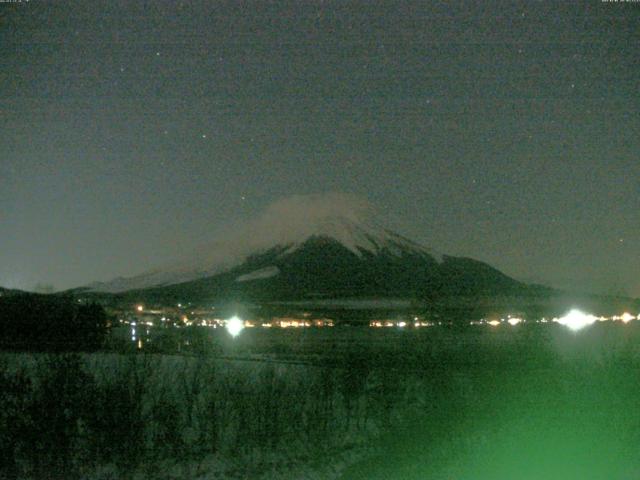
{"x": 576, "y": 320}
{"x": 626, "y": 317}
{"x": 234, "y": 326}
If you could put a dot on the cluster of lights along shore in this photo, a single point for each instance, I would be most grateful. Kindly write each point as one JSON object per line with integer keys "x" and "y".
{"x": 142, "y": 319}
{"x": 574, "y": 320}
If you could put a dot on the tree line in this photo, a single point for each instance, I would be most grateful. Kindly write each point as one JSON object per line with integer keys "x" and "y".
{"x": 50, "y": 323}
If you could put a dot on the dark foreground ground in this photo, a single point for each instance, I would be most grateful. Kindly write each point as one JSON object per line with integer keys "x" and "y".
{"x": 567, "y": 410}
{"x": 563, "y": 422}
{"x": 517, "y": 403}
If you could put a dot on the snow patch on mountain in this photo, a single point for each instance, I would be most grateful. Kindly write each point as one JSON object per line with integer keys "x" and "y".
{"x": 288, "y": 223}
{"x": 260, "y": 274}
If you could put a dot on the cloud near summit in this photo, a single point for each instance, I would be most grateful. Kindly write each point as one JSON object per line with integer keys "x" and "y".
{"x": 298, "y": 216}
{"x": 284, "y": 221}
{"x": 299, "y": 210}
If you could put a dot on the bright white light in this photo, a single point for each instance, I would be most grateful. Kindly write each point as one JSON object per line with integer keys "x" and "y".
{"x": 514, "y": 321}
{"x": 576, "y": 320}
{"x": 627, "y": 317}
{"x": 139, "y": 308}
{"x": 402, "y": 324}
{"x": 493, "y": 323}
{"x": 234, "y": 326}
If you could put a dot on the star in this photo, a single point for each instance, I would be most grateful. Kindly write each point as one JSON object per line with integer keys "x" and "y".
{"x": 204, "y": 136}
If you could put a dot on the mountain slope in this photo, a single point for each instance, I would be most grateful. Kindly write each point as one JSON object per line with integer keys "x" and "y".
{"x": 7, "y": 292}
{"x": 322, "y": 268}
{"x": 285, "y": 227}
{"x": 315, "y": 248}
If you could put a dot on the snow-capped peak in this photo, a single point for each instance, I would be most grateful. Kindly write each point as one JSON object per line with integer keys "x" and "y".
{"x": 359, "y": 237}
{"x": 287, "y": 223}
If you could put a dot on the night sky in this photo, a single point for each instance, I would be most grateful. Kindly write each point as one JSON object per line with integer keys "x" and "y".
{"x": 509, "y": 132}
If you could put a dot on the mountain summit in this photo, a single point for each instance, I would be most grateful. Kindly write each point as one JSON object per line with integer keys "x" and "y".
{"x": 315, "y": 246}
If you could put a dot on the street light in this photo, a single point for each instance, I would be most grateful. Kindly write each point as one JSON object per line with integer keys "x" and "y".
{"x": 234, "y": 326}
{"x": 576, "y": 320}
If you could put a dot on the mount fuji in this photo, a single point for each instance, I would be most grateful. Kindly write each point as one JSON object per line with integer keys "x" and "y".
{"x": 314, "y": 247}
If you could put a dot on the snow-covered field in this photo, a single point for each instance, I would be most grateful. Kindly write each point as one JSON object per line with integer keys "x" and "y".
{"x": 157, "y": 416}
{"x": 372, "y": 398}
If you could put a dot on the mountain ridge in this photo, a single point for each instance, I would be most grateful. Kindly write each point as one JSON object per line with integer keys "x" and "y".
{"x": 322, "y": 268}
{"x": 359, "y": 238}
{"x": 313, "y": 247}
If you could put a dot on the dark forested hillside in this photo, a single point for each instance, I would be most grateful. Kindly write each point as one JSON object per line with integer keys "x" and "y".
{"x": 50, "y": 323}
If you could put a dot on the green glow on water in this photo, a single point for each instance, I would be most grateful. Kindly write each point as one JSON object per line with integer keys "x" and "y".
{"x": 565, "y": 422}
